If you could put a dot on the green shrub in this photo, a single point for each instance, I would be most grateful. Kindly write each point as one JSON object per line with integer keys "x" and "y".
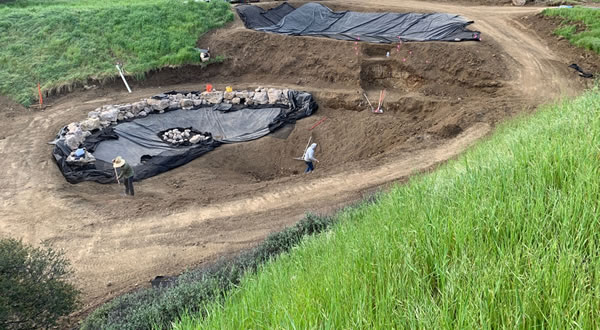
{"x": 590, "y": 37}
{"x": 160, "y": 307}
{"x": 33, "y": 286}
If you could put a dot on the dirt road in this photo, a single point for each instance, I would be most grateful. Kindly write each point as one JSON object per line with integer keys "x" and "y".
{"x": 230, "y": 199}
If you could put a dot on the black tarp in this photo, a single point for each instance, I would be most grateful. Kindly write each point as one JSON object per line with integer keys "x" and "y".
{"x": 313, "y": 19}
{"x": 255, "y": 17}
{"x": 138, "y": 142}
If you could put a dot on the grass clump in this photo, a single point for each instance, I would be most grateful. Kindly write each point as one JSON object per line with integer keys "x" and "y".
{"x": 504, "y": 237}
{"x": 590, "y": 37}
{"x": 160, "y": 307}
{"x": 59, "y": 43}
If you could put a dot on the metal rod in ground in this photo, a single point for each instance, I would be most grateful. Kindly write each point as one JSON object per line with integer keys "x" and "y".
{"x": 365, "y": 95}
{"x": 123, "y": 77}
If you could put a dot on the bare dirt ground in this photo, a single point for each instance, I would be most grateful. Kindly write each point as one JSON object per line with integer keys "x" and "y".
{"x": 441, "y": 99}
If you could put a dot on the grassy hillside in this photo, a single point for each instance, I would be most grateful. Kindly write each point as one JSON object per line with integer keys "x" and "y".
{"x": 506, "y": 236}
{"x": 58, "y": 42}
{"x": 590, "y": 37}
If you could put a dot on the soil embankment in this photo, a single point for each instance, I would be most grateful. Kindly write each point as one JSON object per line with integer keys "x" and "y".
{"x": 441, "y": 97}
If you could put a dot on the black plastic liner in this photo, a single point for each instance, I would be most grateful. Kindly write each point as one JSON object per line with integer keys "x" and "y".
{"x": 138, "y": 141}
{"x": 255, "y": 17}
{"x": 314, "y": 19}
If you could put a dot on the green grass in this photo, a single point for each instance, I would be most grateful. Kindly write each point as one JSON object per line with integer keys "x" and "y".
{"x": 507, "y": 236}
{"x": 59, "y": 42}
{"x": 590, "y": 37}
{"x": 159, "y": 307}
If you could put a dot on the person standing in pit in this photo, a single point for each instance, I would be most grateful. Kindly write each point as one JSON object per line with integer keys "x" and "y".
{"x": 309, "y": 157}
{"x": 126, "y": 174}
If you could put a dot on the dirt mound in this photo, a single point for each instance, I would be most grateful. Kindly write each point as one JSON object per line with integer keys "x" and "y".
{"x": 426, "y": 93}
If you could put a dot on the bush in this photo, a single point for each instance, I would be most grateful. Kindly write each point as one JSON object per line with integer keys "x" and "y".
{"x": 160, "y": 307}
{"x": 33, "y": 283}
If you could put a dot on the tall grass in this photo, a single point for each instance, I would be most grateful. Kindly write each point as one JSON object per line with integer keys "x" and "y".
{"x": 590, "y": 37}
{"x": 159, "y": 307}
{"x": 507, "y": 236}
{"x": 59, "y": 42}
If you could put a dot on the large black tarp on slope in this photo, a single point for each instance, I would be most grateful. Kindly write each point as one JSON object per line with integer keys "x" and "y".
{"x": 313, "y": 19}
{"x": 138, "y": 142}
{"x": 255, "y": 17}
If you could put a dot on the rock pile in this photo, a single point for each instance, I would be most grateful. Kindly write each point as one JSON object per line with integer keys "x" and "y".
{"x": 87, "y": 158}
{"x": 75, "y": 133}
{"x": 179, "y": 136}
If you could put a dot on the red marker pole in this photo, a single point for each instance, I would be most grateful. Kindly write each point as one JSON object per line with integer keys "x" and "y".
{"x": 318, "y": 123}
{"x": 40, "y": 94}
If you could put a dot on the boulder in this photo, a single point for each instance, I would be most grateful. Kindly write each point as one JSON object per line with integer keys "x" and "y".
{"x": 261, "y": 98}
{"x": 242, "y": 94}
{"x": 142, "y": 113}
{"x": 186, "y": 103}
{"x": 519, "y": 2}
{"x": 228, "y": 95}
{"x": 90, "y": 124}
{"x": 196, "y": 138}
{"x": 125, "y": 107}
{"x": 274, "y": 95}
{"x": 138, "y": 106}
{"x": 73, "y": 128}
{"x": 236, "y": 100}
{"x": 110, "y": 115}
{"x": 158, "y": 105}
{"x": 94, "y": 114}
{"x": 213, "y": 97}
{"x": 75, "y": 136}
{"x": 174, "y": 105}
{"x": 197, "y": 103}
{"x": 120, "y": 116}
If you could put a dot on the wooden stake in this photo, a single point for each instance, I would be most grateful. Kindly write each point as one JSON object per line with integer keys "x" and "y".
{"x": 370, "y": 105}
{"x": 40, "y": 93}
{"x": 116, "y": 175}
{"x": 304, "y": 154}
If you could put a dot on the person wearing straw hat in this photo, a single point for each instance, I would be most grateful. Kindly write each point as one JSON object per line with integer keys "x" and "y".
{"x": 126, "y": 174}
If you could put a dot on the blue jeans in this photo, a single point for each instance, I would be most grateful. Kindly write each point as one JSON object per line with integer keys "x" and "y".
{"x": 128, "y": 185}
{"x": 309, "y": 167}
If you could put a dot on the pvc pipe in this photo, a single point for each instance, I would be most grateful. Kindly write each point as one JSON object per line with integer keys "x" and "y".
{"x": 123, "y": 77}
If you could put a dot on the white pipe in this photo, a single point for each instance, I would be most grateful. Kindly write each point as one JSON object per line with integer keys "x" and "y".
{"x": 123, "y": 77}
